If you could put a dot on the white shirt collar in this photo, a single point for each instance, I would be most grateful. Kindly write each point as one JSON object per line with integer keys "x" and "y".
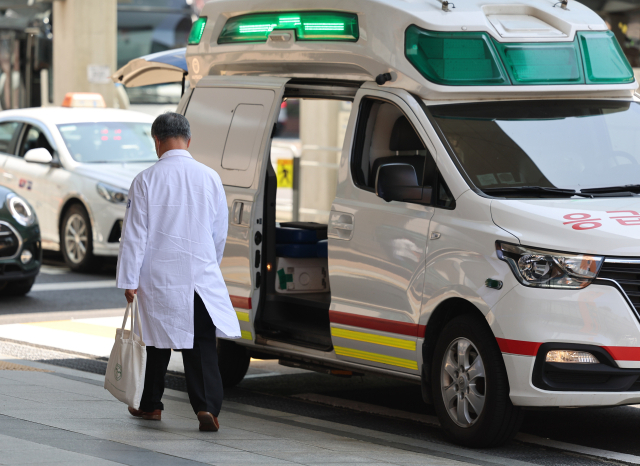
{"x": 174, "y": 153}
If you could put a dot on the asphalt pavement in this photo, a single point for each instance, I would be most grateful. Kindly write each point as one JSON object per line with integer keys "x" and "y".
{"x": 89, "y": 305}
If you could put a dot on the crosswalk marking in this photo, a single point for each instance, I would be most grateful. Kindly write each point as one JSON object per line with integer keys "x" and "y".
{"x": 68, "y": 286}
{"x": 78, "y": 327}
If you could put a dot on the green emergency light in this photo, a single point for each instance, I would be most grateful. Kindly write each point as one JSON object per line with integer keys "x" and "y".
{"x": 196, "y": 31}
{"x": 475, "y": 59}
{"x": 308, "y": 26}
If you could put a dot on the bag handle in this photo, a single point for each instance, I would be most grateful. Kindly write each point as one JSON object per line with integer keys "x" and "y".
{"x": 126, "y": 316}
{"x": 137, "y": 320}
{"x": 135, "y": 317}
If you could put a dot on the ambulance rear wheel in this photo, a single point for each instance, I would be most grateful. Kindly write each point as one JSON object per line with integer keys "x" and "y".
{"x": 470, "y": 386}
{"x": 233, "y": 362}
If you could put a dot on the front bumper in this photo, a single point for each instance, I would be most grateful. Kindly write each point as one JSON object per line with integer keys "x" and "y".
{"x": 106, "y": 221}
{"x": 527, "y": 319}
{"x": 12, "y": 269}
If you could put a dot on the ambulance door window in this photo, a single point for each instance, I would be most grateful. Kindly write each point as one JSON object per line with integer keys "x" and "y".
{"x": 243, "y": 136}
{"x": 385, "y": 135}
{"x": 228, "y": 126}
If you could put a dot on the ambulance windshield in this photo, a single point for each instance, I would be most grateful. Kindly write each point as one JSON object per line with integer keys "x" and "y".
{"x": 572, "y": 145}
{"x": 117, "y": 142}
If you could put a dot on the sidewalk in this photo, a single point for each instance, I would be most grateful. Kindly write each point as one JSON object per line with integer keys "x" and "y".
{"x": 56, "y": 416}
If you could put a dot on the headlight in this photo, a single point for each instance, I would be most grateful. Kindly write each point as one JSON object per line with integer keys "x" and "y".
{"x": 549, "y": 269}
{"x": 111, "y": 194}
{"x": 20, "y": 210}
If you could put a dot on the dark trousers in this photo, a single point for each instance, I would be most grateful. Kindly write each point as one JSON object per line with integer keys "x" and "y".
{"x": 204, "y": 384}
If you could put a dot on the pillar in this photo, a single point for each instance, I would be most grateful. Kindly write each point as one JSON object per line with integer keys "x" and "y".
{"x": 84, "y": 48}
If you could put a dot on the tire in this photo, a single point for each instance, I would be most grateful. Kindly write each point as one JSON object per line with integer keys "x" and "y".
{"x": 17, "y": 287}
{"x": 495, "y": 420}
{"x": 77, "y": 249}
{"x": 233, "y": 361}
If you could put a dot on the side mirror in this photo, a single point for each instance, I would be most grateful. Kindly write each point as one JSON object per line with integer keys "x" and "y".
{"x": 399, "y": 182}
{"x": 39, "y": 155}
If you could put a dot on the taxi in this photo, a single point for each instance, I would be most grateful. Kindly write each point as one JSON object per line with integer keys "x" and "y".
{"x": 483, "y": 235}
{"x": 74, "y": 165}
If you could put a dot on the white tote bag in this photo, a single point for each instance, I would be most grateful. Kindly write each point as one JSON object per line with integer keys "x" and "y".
{"x": 128, "y": 361}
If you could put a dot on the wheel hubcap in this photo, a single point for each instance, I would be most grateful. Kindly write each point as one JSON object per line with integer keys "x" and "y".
{"x": 463, "y": 382}
{"x": 75, "y": 238}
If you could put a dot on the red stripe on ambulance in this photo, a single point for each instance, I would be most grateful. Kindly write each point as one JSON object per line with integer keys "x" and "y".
{"x": 375, "y": 323}
{"x": 240, "y": 302}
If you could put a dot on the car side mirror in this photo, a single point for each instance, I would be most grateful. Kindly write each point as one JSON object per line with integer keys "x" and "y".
{"x": 399, "y": 182}
{"x": 39, "y": 155}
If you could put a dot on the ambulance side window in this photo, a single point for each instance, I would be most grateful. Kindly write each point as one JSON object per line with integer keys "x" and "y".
{"x": 385, "y": 135}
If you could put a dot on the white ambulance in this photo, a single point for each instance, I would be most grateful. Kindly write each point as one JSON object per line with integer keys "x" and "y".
{"x": 484, "y": 237}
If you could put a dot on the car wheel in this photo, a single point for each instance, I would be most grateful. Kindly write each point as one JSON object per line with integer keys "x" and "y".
{"x": 76, "y": 241}
{"x": 233, "y": 361}
{"x": 17, "y": 287}
{"x": 470, "y": 386}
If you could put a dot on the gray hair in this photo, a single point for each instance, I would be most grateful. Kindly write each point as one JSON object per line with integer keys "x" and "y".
{"x": 171, "y": 125}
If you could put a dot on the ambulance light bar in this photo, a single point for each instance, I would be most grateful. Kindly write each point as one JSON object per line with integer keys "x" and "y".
{"x": 308, "y": 25}
{"x": 84, "y": 100}
{"x": 196, "y": 31}
{"x": 475, "y": 59}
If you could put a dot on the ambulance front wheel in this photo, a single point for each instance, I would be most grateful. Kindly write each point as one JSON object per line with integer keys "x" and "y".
{"x": 470, "y": 386}
{"x": 233, "y": 362}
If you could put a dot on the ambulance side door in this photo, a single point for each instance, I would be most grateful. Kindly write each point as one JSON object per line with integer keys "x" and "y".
{"x": 232, "y": 120}
{"x": 377, "y": 248}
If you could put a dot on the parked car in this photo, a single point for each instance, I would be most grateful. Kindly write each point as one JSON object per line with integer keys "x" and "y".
{"x": 75, "y": 166}
{"x": 20, "y": 246}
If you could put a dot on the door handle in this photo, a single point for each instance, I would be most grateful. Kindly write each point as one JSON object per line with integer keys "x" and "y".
{"x": 241, "y": 213}
{"x": 341, "y": 225}
{"x": 8, "y": 176}
{"x": 237, "y": 209}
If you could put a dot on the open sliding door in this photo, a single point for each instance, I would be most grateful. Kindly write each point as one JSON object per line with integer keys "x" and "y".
{"x": 232, "y": 123}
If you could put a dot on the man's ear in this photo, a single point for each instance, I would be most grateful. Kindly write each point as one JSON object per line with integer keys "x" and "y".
{"x": 188, "y": 142}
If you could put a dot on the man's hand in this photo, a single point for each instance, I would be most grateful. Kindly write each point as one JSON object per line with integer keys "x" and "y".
{"x": 129, "y": 294}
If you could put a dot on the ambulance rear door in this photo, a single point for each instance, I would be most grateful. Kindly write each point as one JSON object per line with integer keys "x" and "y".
{"x": 232, "y": 121}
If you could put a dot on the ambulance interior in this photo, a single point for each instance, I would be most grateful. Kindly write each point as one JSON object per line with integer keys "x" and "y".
{"x": 297, "y": 290}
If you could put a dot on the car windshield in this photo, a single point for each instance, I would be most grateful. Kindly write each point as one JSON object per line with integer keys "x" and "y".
{"x": 109, "y": 142}
{"x": 574, "y": 145}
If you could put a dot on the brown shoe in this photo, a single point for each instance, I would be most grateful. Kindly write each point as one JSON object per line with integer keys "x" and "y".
{"x": 135, "y": 412}
{"x": 153, "y": 415}
{"x": 208, "y": 422}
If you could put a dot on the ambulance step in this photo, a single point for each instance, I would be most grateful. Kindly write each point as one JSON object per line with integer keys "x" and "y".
{"x": 318, "y": 368}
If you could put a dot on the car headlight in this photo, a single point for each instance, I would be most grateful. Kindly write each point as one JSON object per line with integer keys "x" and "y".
{"x": 111, "y": 194}
{"x": 549, "y": 269}
{"x": 20, "y": 210}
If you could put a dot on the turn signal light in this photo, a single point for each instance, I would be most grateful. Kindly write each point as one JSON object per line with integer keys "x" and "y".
{"x": 576, "y": 357}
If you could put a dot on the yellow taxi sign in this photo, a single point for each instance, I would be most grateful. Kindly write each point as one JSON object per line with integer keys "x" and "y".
{"x": 84, "y": 100}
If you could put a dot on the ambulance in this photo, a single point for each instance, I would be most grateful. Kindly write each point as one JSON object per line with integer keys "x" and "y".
{"x": 484, "y": 235}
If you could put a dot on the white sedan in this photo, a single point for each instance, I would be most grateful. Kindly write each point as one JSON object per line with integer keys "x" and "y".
{"x": 75, "y": 166}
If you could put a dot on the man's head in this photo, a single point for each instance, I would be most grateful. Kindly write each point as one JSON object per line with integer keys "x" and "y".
{"x": 171, "y": 131}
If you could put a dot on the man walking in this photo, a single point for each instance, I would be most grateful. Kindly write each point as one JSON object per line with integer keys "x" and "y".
{"x": 173, "y": 238}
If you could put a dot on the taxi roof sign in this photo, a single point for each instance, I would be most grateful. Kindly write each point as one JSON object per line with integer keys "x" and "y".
{"x": 84, "y": 100}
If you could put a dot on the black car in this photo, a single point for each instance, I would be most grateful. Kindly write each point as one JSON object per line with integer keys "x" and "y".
{"x": 20, "y": 246}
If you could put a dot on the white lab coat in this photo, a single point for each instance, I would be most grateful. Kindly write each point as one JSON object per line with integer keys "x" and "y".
{"x": 173, "y": 237}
